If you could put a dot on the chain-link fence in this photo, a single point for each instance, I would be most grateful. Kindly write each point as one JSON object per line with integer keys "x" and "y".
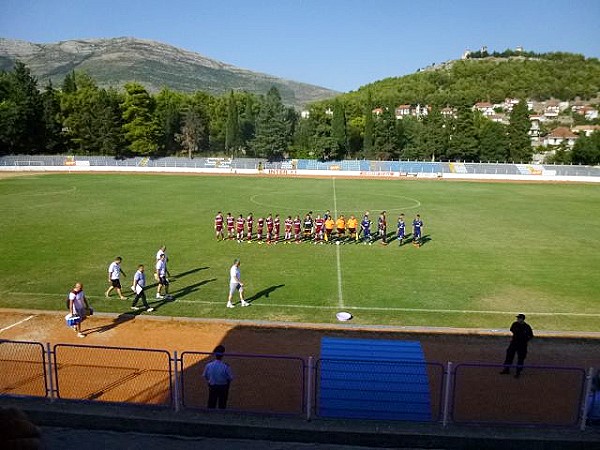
{"x": 23, "y": 369}
{"x": 465, "y": 393}
{"x": 262, "y": 383}
{"x": 540, "y": 395}
{"x": 113, "y": 374}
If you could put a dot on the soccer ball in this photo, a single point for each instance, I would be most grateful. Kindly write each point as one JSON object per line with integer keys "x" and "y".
{"x": 337, "y": 242}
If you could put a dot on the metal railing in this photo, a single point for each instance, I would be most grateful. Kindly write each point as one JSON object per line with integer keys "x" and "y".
{"x": 272, "y": 384}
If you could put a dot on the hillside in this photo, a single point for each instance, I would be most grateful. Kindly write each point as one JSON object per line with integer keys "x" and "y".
{"x": 114, "y": 62}
{"x": 562, "y": 76}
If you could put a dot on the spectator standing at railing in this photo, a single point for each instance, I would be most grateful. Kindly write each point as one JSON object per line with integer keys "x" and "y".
{"x": 521, "y": 335}
{"x": 218, "y": 375}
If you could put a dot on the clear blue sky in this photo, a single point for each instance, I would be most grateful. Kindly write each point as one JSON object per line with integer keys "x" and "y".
{"x": 339, "y": 44}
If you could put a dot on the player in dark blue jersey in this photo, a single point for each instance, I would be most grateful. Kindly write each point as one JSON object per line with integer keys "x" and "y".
{"x": 417, "y": 231}
{"x": 365, "y": 228}
{"x": 401, "y": 229}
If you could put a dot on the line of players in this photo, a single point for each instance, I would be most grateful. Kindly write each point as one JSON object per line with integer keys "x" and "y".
{"x": 318, "y": 230}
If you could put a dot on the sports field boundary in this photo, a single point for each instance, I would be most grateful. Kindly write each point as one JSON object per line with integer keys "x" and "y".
{"x": 346, "y": 326}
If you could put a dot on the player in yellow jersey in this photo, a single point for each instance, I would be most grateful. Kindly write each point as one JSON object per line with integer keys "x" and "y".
{"x": 352, "y": 224}
{"x": 340, "y": 225}
{"x": 329, "y": 224}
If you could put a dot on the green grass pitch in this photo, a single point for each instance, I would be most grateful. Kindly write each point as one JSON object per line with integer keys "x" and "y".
{"x": 495, "y": 249}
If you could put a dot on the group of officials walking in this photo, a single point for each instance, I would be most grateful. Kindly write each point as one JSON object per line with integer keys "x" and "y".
{"x": 79, "y": 307}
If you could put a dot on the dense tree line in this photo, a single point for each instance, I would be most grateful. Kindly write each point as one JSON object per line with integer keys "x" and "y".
{"x": 82, "y": 118}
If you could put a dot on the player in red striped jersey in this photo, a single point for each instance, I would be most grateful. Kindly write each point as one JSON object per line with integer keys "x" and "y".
{"x": 219, "y": 226}
{"x": 288, "y": 229}
{"x": 259, "y": 229}
{"x": 230, "y": 225}
{"x": 319, "y": 223}
{"x": 276, "y": 228}
{"x": 297, "y": 228}
{"x": 249, "y": 225}
{"x": 269, "y": 223}
{"x": 239, "y": 224}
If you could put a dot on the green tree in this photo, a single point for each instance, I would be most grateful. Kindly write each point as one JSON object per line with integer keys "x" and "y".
{"x": 169, "y": 118}
{"x": 195, "y": 132}
{"x": 493, "y": 141}
{"x": 92, "y": 118}
{"x": 52, "y": 119}
{"x": 272, "y": 127}
{"x": 139, "y": 124}
{"x": 21, "y": 112}
{"x": 587, "y": 150}
{"x": 463, "y": 143}
{"x": 385, "y": 137}
{"x": 248, "y": 120}
{"x": 434, "y": 137}
{"x": 69, "y": 85}
{"x": 519, "y": 144}
{"x": 233, "y": 137}
{"x": 368, "y": 133}
{"x": 338, "y": 129}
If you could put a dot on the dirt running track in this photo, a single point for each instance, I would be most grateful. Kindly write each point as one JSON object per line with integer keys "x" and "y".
{"x": 541, "y": 395}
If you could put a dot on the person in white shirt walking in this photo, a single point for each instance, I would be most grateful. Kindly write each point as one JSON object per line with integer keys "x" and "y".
{"x": 139, "y": 282}
{"x": 78, "y": 306}
{"x": 161, "y": 275}
{"x": 235, "y": 283}
{"x": 162, "y": 251}
{"x": 114, "y": 277}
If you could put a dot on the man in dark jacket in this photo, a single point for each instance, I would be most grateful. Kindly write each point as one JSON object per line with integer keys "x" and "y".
{"x": 521, "y": 335}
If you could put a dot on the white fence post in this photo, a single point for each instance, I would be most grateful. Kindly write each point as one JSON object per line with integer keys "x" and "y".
{"x": 309, "y": 388}
{"x": 50, "y": 372}
{"x": 176, "y": 381}
{"x": 447, "y": 385}
{"x": 586, "y": 398}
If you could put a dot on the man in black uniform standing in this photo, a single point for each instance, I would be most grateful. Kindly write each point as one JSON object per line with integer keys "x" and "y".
{"x": 521, "y": 335}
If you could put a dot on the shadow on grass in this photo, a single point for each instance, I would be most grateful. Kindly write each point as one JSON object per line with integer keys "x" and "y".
{"x": 264, "y": 293}
{"x": 186, "y": 290}
{"x": 189, "y": 272}
{"x": 121, "y": 318}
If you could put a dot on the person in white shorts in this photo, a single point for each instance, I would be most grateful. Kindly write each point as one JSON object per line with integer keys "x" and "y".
{"x": 235, "y": 282}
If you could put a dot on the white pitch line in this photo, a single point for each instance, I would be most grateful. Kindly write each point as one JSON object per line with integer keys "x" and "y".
{"x": 16, "y": 323}
{"x": 337, "y": 255}
{"x": 421, "y": 310}
{"x": 357, "y": 308}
